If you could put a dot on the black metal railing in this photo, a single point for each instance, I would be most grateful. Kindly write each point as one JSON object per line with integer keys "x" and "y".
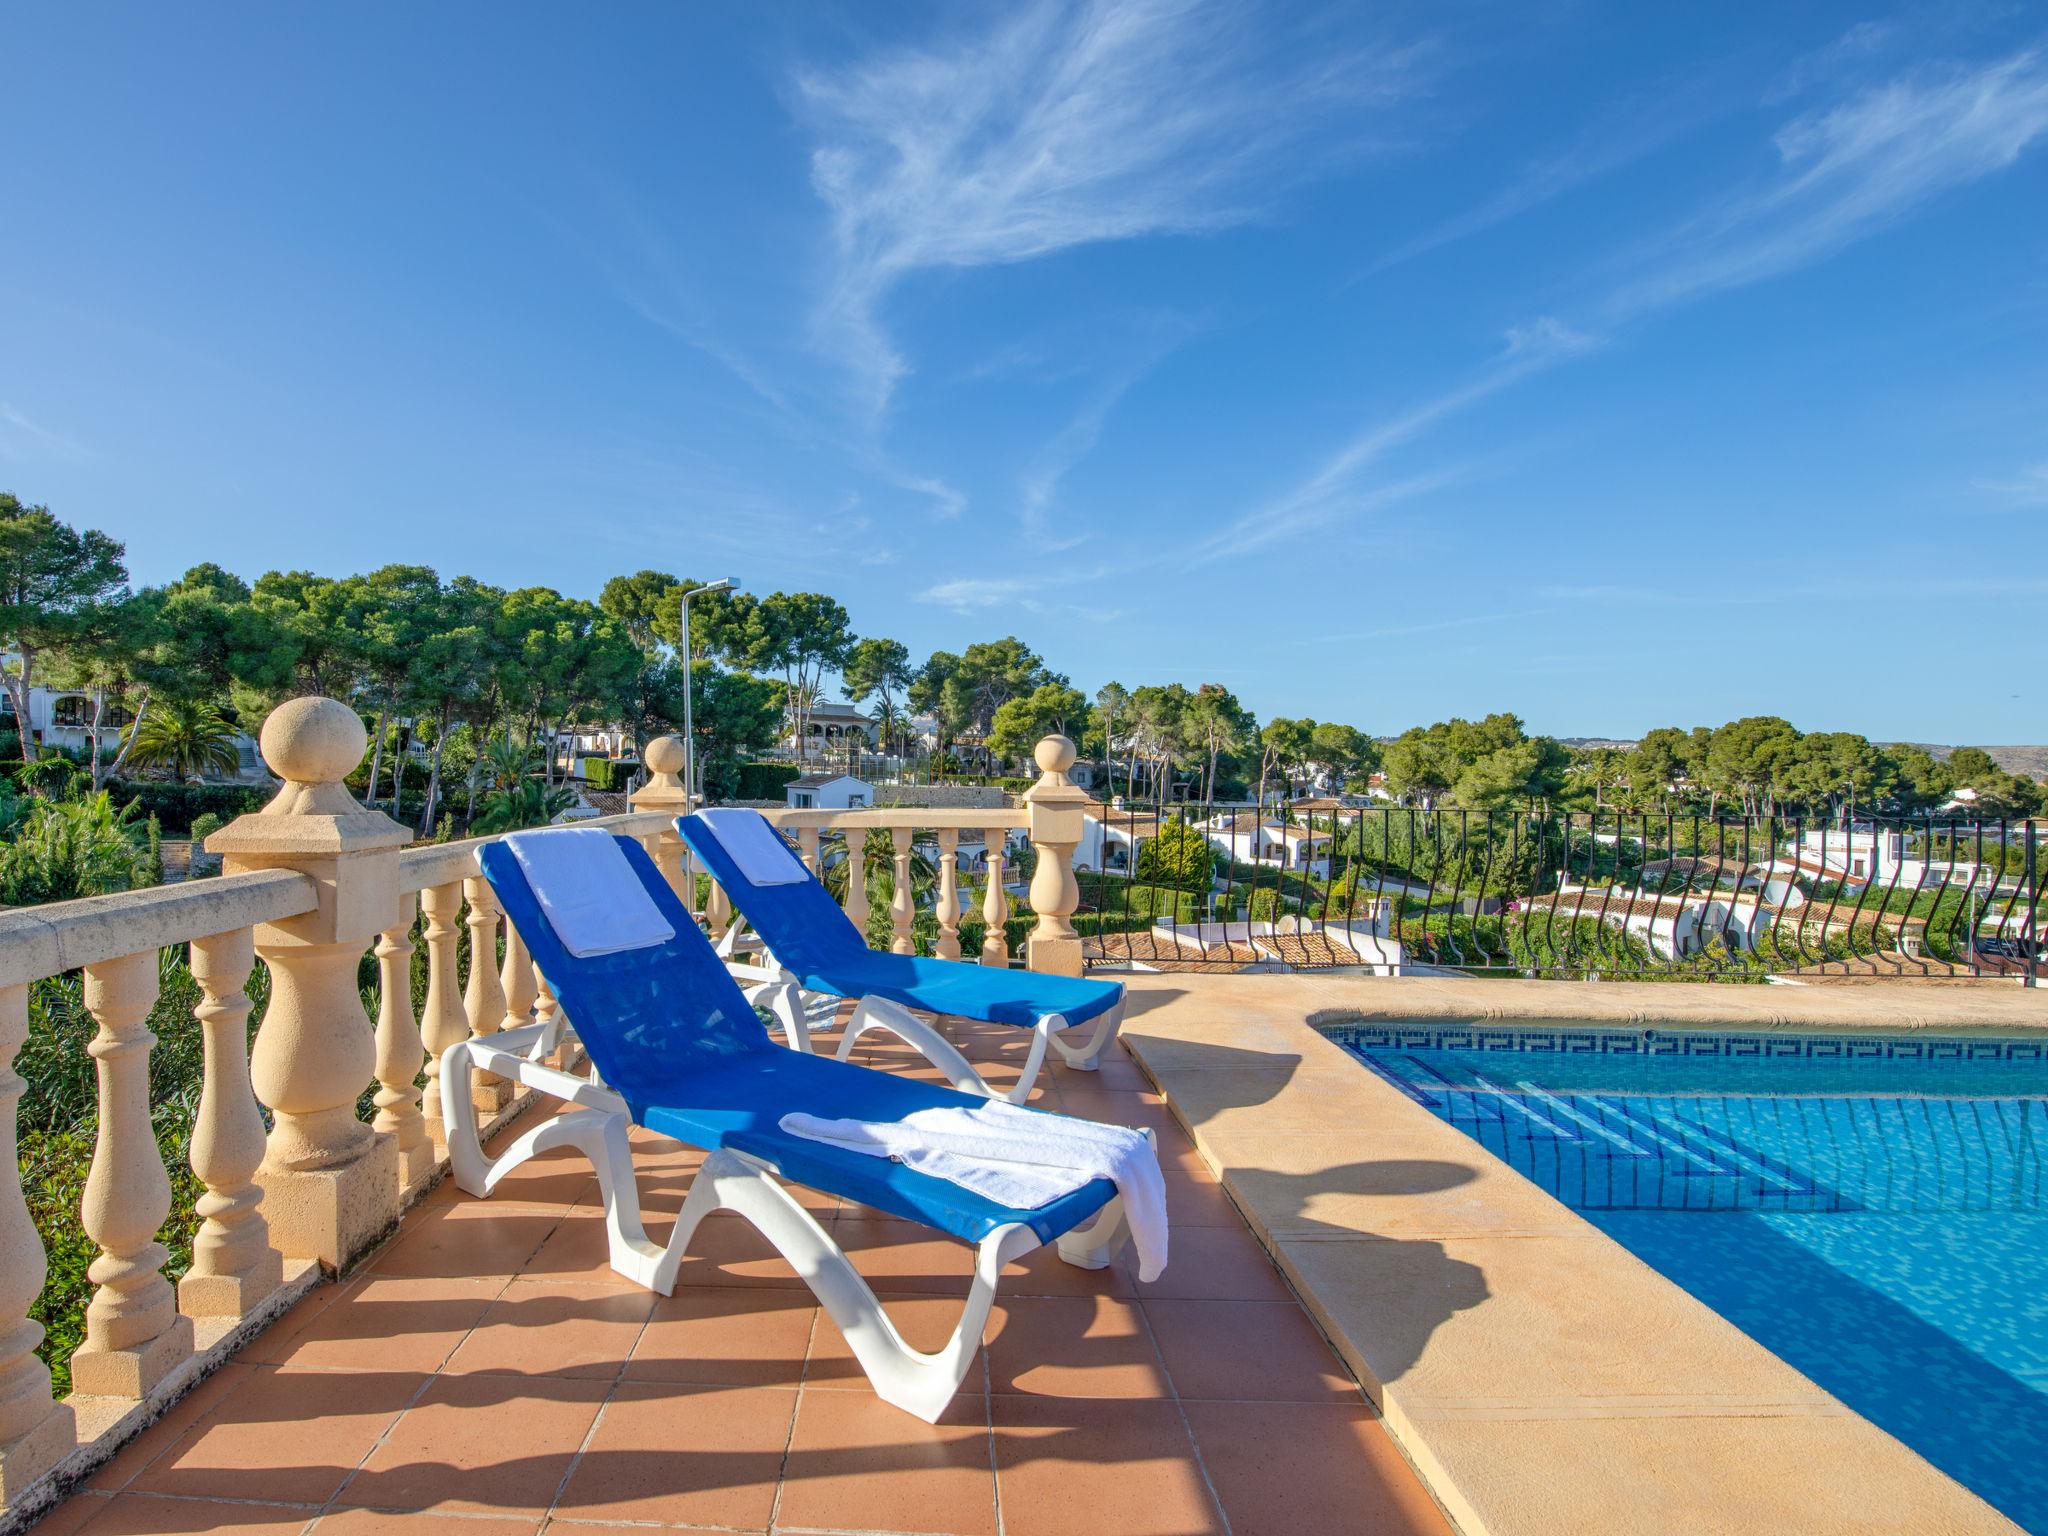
{"x": 1552, "y": 894}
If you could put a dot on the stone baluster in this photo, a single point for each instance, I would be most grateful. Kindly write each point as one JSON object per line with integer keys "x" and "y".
{"x": 233, "y": 1265}
{"x": 995, "y": 901}
{"x": 856, "y": 902}
{"x": 330, "y": 1182}
{"x": 545, "y": 1011}
{"x": 36, "y": 1431}
{"x": 443, "y": 1022}
{"x": 947, "y": 909}
{"x": 663, "y": 793}
{"x": 718, "y": 911}
{"x": 516, "y": 981}
{"x": 1056, "y": 827}
{"x": 400, "y": 1049}
{"x": 483, "y": 1000}
{"x": 807, "y": 847}
{"x": 902, "y": 908}
{"x": 134, "y": 1334}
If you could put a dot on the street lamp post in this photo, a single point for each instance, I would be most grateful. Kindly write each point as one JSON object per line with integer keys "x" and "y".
{"x": 725, "y": 584}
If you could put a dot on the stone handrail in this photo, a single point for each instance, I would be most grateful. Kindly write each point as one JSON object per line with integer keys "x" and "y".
{"x": 311, "y": 884}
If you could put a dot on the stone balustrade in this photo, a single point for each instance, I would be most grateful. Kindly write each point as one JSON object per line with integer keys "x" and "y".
{"x": 311, "y": 884}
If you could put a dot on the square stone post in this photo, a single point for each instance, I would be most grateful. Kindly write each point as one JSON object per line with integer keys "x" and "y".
{"x": 664, "y": 792}
{"x": 1055, "y": 824}
{"x": 330, "y": 1183}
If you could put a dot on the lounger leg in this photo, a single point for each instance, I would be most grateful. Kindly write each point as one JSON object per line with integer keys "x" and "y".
{"x": 1086, "y": 1058}
{"x": 915, "y": 1382}
{"x": 506, "y": 1055}
{"x": 785, "y": 1000}
{"x": 880, "y": 1013}
{"x": 1096, "y": 1245}
{"x": 1046, "y": 1029}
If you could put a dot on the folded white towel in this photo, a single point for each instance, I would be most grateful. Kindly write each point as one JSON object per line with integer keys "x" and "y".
{"x": 757, "y": 848}
{"x": 1023, "y": 1158}
{"x": 588, "y": 892}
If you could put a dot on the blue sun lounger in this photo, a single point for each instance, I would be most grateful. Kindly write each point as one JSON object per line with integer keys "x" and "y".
{"x": 681, "y": 1052}
{"x": 814, "y": 947}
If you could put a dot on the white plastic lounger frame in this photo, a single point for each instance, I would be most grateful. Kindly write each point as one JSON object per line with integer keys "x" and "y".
{"x": 916, "y": 1382}
{"x": 775, "y": 988}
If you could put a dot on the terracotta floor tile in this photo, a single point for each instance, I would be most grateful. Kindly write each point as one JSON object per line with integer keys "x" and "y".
{"x": 1285, "y": 1468}
{"x": 1042, "y": 1272}
{"x": 70, "y": 1517}
{"x": 555, "y": 1328}
{"x": 726, "y": 1250}
{"x": 142, "y": 1514}
{"x": 855, "y": 1463}
{"x": 896, "y": 1255}
{"x": 926, "y": 1322}
{"x": 391, "y": 1323}
{"x": 684, "y": 1456}
{"x": 559, "y": 1178}
{"x": 1065, "y": 1466}
{"x": 1073, "y": 1346}
{"x": 485, "y": 1443}
{"x": 375, "y": 1522}
{"x": 138, "y": 1453}
{"x": 272, "y": 1341}
{"x": 260, "y": 1442}
{"x": 726, "y": 1335}
{"x": 1199, "y": 1203}
{"x": 1215, "y": 1264}
{"x": 467, "y": 1241}
{"x": 578, "y": 1248}
{"x": 1238, "y": 1350}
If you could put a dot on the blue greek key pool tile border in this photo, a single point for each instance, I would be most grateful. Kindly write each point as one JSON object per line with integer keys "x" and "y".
{"x": 1676, "y": 1042}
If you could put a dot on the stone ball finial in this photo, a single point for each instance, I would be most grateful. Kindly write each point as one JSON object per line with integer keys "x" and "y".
{"x": 1054, "y": 754}
{"x": 313, "y": 741}
{"x": 665, "y": 756}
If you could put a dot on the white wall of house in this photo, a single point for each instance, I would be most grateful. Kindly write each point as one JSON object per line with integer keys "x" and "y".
{"x": 844, "y": 793}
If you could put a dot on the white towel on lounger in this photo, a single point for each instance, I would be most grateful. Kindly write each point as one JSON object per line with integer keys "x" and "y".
{"x": 588, "y": 892}
{"x": 1022, "y": 1158}
{"x": 757, "y": 848}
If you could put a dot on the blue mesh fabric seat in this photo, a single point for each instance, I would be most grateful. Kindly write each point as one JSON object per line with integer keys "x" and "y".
{"x": 812, "y": 940}
{"x": 672, "y": 1035}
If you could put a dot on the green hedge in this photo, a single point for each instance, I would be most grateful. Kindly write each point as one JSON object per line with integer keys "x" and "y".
{"x": 765, "y": 781}
{"x": 176, "y": 805}
{"x": 608, "y": 774}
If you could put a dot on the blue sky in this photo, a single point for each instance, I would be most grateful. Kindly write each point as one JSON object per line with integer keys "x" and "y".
{"x": 1614, "y": 364}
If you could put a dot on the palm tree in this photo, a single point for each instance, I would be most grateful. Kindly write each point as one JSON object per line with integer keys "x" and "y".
{"x": 186, "y": 739}
{"x": 529, "y": 803}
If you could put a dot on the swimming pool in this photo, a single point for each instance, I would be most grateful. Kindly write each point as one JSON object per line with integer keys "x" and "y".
{"x": 1875, "y": 1211}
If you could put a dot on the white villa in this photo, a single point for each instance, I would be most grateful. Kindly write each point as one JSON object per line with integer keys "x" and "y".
{"x": 831, "y": 725}
{"x": 1253, "y": 837}
{"x": 1860, "y": 859}
{"x": 1110, "y": 837}
{"x": 829, "y": 792}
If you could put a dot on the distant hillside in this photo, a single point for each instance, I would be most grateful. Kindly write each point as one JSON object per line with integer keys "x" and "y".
{"x": 2032, "y": 762}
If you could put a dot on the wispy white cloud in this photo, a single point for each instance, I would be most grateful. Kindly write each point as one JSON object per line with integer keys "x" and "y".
{"x": 2029, "y": 488}
{"x": 1040, "y": 483}
{"x": 1624, "y": 133}
{"x": 1339, "y": 488}
{"x": 1843, "y": 173}
{"x": 20, "y": 437}
{"x": 1072, "y": 122}
{"x": 1033, "y": 594}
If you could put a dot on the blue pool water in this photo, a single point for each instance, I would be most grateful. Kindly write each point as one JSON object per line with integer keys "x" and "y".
{"x": 1874, "y": 1211}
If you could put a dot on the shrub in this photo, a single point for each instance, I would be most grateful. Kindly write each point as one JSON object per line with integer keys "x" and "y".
{"x": 1179, "y": 857}
{"x": 204, "y": 826}
{"x": 764, "y": 781}
{"x": 177, "y": 805}
{"x": 610, "y": 774}
{"x": 67, "y": 849}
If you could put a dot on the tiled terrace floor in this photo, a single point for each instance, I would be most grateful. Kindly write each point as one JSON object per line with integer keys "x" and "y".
{"x": 487, "y": 1372}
